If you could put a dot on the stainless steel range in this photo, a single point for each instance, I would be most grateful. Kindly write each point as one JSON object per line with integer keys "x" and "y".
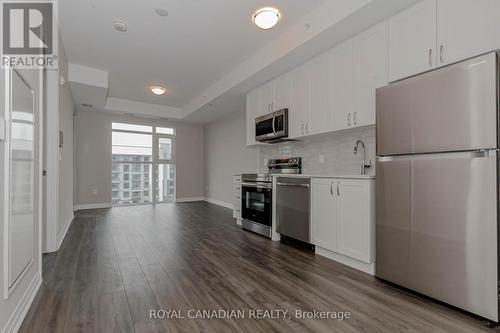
{"x": 257, "y": 194}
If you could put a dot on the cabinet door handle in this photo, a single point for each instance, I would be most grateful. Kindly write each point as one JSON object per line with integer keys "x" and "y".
{"x": 355, "y": 118}
{"x": 272, "y": 106}
{"x": 430, "y": 57}
{"x": 349, "y": 119}
{"x": 331, "y": 188}
{"x": 441, "y": 57}
{"x": 338, "y": 188}
{"x": 302, "y": 128}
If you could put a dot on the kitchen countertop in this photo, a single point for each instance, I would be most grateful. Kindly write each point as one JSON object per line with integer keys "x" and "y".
{"x": 304, "y": 175}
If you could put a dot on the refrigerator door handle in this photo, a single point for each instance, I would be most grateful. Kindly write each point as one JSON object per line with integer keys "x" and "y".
{"x": 482, "y": 153}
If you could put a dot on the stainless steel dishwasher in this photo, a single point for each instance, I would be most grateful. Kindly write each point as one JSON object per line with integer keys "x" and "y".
{"x": 293, "y": 205}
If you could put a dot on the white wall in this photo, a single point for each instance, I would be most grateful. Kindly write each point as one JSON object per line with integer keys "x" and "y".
{"x": 66, "y": 179}
{"x": 93, "y": 156}
{"x": 226, "y": 154}
{"x": 58, "y": 162}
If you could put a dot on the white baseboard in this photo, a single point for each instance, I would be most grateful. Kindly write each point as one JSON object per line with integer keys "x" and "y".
{"x": 190, "y": 199}
{"x": 220, "y": 203}
{"x": 359, "y": 265}
{"x": 93, "y": 206}
{"x": 62, "y": 235}
{"x": 17, "y": 317}
{"x": 109, "y": 205}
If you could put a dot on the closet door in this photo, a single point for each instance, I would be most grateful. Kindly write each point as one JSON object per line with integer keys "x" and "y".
{"x": 22, "y": 179}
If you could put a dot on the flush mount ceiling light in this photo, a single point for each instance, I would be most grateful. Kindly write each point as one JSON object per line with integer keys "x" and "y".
{"x": 266, "y": 18}
{"x": 157, "y": 90}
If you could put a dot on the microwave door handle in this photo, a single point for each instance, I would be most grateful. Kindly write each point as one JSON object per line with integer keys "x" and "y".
{"x": 274, "y": 124}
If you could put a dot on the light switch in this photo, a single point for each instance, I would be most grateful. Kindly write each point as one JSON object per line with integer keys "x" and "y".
{"x": 2, "y": 129}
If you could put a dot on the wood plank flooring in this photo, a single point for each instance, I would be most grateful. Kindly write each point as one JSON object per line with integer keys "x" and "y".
{"x": 116, "y": 265}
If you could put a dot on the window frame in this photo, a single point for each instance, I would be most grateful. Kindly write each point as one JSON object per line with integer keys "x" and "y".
{"x": 154, "y": 162}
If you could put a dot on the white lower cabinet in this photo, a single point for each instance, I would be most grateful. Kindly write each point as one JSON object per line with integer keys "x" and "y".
{"x": 355, "y": 223}
{"x": 237, "y": 198}
{"x": 324, "y": 213}
{"x": 343, "y": 220}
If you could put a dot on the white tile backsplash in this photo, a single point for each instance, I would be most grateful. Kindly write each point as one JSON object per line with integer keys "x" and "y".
{"x": 330, "y": 153}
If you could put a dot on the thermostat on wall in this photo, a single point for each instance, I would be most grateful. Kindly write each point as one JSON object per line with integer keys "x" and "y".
{"x": 2, "y": 128}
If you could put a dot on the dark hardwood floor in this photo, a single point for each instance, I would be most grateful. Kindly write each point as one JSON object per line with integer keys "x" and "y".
{"x": 116, "y": 265}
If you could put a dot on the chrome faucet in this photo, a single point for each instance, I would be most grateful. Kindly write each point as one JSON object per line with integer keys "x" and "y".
{"x": 364, "y": 165}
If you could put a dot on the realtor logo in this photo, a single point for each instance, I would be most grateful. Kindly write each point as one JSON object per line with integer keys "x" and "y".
{"x": 29, "y": 34}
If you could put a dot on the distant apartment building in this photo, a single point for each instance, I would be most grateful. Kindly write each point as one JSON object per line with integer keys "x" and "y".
{"x": 132, "y": 183}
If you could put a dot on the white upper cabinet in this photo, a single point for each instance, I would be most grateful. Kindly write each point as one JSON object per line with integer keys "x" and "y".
{"x": 267, "y": 98}
{"x": 276, "y": 95}
{"x": 370, "y": 59}
{"x": 412, "y": 40}
{"x": 299, "y": 112}
{"x": 282, "y": 93}
{"x": 321, "y": 115}
{"x": 466, "y": 28}
{"x": 436, "y": 33}
{"x": 253, "y": 109}
{"x": 342, "y": 88}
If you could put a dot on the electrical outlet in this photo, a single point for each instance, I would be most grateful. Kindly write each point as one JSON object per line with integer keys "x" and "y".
{"x": 321, "y": 159}
{"x": 95, "y": 191}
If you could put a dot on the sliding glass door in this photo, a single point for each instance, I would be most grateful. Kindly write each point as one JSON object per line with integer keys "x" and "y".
{"x": 165, "y": 168}
{"x": 143, "y": 168}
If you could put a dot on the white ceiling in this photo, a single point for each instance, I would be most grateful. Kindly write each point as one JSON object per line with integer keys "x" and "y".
{"x": 199, "y": 42}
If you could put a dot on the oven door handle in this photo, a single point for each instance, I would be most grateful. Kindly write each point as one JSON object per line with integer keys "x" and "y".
{"x": 257, "y": 185}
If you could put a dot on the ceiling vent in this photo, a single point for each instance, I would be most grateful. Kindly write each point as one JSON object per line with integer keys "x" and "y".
{"x": 120, "y": 25}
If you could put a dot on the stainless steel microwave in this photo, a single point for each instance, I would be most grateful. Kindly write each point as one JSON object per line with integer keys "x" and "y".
{"x": 272, "y": 127}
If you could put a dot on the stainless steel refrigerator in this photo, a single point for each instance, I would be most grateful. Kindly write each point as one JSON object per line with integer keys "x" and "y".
{"x": 437, "y": 184}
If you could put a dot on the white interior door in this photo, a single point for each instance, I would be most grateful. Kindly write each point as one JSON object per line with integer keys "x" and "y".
{"x": 22, "y": 178}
